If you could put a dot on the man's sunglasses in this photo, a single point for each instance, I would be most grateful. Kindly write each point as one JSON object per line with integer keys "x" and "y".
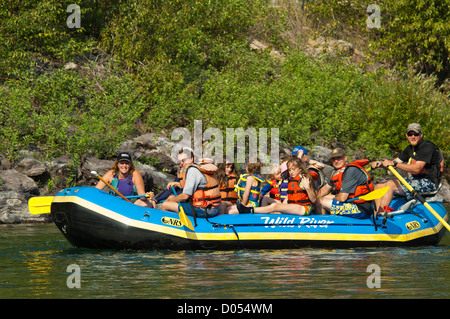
{"x": 413, "y": 134}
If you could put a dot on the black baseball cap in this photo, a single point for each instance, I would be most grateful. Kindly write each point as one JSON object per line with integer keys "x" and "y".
{"x": 124, "y": 157}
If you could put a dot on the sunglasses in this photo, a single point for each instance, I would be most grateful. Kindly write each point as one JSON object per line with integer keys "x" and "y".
{"x": 413, "y": 134}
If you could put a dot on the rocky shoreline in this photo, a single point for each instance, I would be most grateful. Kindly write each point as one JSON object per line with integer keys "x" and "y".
{"x": 30, "y": 177}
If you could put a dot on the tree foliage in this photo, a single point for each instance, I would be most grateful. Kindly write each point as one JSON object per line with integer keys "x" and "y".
{"x": 165, "y": 63}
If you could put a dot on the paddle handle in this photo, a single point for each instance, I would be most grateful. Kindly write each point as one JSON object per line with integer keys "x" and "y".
{"x": 137, "y": 196}
{"x": 109, "y": 185}
{"x": 420, "y": 198}
{"x": 173, "y": 191}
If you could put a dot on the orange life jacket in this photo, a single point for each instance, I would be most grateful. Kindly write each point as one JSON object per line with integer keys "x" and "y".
{"x": 336, "y": 179}
{"x": 182, "y": 176}
{"x": 208, "y": 196}
{"x": 227, "y": 191}
{"x": 296, "y": 194}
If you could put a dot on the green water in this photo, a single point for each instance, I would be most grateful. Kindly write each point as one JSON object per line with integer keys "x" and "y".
{"x": 34, "y": 261}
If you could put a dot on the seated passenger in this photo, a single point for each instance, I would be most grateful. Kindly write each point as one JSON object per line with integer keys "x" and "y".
{"x": 314, "y": 167}
{"x": 249, "y": 186}
{"x": 185, "y": 158}
{"x": 201, "y": 194}
{"x": 350, "y": 180}
{"x": 271, "y": 191}
{"x": 127, "y": 180}
{"x": 227, "y": 178}
{"x": 300, "y": 195}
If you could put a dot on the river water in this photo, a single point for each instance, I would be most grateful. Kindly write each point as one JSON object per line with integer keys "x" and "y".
{"x": 37, "y": 262}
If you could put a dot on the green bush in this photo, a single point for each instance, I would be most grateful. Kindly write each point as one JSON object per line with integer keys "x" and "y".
{"x": 67, "y": 113}
{"x": 169, "y": 63}
{"x": 312, "y": 102}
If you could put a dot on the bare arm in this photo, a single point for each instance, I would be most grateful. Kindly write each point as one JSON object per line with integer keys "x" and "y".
{"x": 248, "y": 187}
{"x": 107, "y": 177}
{"x": 305, "y": 183}
{"x": 324, "y": 190}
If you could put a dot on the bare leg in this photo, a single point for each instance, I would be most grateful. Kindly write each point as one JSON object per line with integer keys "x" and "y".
{"x": 145, "y": 203}
{"x": 323, "y": 204}
{"x": 225, "y": 207}
{"x": 293, "y": 209}
{"x": 170, "y": 206}
{"x": 394, "y": 188}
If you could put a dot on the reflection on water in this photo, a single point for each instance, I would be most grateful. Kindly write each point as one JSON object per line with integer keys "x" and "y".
{"x": 35, "y": 259}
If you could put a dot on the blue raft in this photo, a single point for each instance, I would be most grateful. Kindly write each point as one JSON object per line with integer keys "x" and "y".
{"x": 91, "y": 218}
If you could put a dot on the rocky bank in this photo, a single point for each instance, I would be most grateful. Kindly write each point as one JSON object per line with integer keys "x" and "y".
{"x": 30, "y": 177}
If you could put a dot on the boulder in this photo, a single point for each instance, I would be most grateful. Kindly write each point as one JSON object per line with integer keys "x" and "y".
{"x": 12, "y": 180}
{"x": 31, "y": 167}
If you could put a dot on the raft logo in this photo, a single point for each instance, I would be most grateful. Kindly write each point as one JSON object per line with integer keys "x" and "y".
{"x": 412, "y": 225}
{"x": 171, "y": 221}
{"x": 214, "y": 144}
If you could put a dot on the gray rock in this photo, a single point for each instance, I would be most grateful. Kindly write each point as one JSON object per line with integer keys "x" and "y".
{"x": 31, "y": 167}
{"x": 15, "y": 181}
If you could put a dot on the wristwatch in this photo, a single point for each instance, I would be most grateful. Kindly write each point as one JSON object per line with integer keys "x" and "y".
{"x": 395, "y": 163}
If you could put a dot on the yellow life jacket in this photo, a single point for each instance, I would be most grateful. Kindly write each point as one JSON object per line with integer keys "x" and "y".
{"x": 255, "y": 192}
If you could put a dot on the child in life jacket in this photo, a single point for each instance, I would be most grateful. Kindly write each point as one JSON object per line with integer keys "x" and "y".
{"x": 301, "y": 193}
{"x": 275, "y": 191}
{"x": 248, "y": 187}
{"x": 314, "y": 167}
{"x": 227, "y": 178}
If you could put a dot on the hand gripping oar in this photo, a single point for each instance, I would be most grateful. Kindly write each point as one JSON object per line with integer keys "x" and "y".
{"x": 183, "y": 218}
{"x": 109, "y": 185}
{"x": 417, "y": 196}
{"x": 378, "y": 193}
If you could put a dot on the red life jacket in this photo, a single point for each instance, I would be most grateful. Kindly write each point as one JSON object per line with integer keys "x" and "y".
{"x": 227, "y": 191}
{"x": 336, "y": 179}
{"x": 275, "y": 190}
{"x": 296, "y": 194}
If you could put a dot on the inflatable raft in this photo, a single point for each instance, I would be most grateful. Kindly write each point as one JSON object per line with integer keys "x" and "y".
{"x": 91, "y": 218}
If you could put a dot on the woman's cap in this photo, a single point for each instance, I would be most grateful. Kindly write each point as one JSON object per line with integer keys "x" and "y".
{"x": 124, "y": 157}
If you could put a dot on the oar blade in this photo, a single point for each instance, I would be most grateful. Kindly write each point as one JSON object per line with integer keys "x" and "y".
{"x": 40, "y": 205}
{"x": 376, "y": 194}
{"x": 185, "y": 220}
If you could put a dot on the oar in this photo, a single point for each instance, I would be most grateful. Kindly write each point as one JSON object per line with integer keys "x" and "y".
{"x": 378, "y": 193}
{"x": 109, "y": 185}
{"x": 183, "y": 218}
{"x": 40, "y": 205}
{"x": 417, "y": 196}
{"x": 137, "y": 196}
